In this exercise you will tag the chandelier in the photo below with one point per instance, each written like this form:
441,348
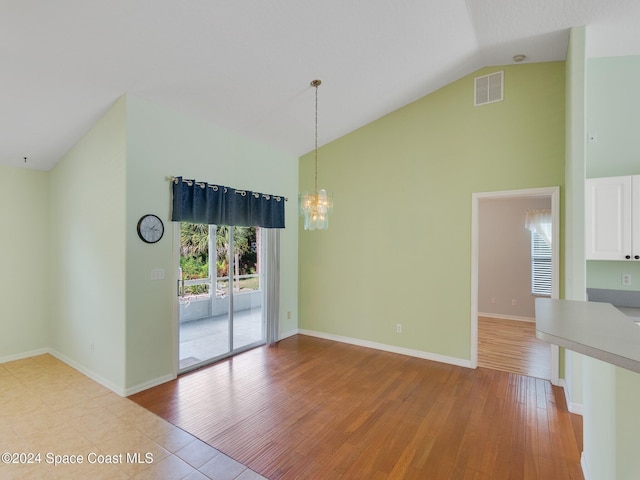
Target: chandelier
317,206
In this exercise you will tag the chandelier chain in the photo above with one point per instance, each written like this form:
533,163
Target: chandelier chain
316,84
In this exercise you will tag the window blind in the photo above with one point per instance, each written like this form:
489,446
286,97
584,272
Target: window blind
540,265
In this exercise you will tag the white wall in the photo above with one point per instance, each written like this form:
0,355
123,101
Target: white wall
574,264
613,106
613,115
611,421
599,426
162,143
86,250
83,286
24,263
504,261
627,424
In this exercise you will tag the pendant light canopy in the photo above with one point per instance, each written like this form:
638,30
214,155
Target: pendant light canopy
317,206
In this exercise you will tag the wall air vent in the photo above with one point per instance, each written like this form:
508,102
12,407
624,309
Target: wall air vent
489,88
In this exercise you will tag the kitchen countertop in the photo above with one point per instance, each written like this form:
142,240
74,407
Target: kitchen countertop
631,312
598,330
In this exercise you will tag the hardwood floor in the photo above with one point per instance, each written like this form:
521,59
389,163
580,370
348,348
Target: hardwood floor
315,409
512,346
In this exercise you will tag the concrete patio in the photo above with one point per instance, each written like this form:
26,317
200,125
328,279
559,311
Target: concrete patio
207,339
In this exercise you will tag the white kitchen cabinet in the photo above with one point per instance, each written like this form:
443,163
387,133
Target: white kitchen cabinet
612,221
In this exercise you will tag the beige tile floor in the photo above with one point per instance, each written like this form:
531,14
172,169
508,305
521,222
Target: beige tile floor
49,413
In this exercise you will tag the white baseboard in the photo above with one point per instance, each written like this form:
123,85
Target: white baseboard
89,373
288,334
389,348
585,467
576,408
151,383
507,317
123,392
23,355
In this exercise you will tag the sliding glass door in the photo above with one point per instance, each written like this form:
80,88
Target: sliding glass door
220,292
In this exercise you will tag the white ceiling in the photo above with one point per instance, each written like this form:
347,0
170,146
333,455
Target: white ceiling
246,65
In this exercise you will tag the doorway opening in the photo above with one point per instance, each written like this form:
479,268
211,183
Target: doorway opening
220,293
515,316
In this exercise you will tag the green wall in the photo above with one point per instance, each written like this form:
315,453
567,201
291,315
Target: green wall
603,274
24,262
398,247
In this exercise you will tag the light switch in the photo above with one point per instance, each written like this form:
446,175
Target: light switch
157,274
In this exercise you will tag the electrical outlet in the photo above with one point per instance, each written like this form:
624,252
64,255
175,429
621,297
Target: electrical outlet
493,300
626,279
289,315
399,328
92,348
514,302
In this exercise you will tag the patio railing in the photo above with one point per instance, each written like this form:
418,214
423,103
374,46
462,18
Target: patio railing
242,283
195,306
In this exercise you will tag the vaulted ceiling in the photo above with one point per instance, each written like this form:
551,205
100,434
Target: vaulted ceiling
246,65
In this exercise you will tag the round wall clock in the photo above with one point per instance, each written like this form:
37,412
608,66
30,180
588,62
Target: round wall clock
150,228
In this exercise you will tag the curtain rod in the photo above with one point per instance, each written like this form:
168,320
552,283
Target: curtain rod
215,188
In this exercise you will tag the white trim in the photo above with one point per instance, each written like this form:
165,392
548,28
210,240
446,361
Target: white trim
585,467
389,348
89,373
554,194
288,334
22,356
576,408
475,256
175,365
123,392
507,317
149,384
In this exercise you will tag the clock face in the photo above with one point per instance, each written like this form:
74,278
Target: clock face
150,228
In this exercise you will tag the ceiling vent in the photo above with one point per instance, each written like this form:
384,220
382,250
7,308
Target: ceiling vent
489,88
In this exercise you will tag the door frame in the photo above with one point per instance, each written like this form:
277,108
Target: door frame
543,192
176,301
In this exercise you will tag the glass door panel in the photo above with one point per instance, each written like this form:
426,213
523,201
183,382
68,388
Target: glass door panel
195,289
220,301
218,338
248,323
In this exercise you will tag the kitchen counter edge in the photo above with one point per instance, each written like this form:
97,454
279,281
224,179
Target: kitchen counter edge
598,330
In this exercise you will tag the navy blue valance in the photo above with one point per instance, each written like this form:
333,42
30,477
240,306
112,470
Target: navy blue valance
201,202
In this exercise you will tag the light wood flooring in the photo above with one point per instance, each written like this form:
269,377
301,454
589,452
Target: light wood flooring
512,346
310,408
